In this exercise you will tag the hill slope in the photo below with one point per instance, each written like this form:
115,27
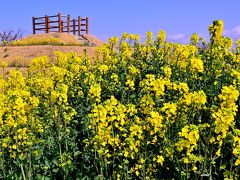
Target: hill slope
22,55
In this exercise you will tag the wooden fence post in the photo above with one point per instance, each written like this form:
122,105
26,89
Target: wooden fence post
33,22
74,26
68,23
79,25
59,23
47,24
86,25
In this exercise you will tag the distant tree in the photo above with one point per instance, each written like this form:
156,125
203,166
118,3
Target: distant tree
10,35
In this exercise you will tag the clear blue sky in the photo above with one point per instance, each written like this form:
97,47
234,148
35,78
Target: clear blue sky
180,18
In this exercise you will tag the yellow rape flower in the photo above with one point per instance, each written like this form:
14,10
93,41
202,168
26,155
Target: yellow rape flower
167,71
216,29
103,69
149,37
194,168
194,38
170,109
113,41
130,84
183,87
196,65
95,92
124,36
161,37
160,160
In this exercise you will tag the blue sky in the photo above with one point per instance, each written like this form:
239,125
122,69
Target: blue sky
179,18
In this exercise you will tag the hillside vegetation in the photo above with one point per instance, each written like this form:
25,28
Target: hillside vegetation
57,39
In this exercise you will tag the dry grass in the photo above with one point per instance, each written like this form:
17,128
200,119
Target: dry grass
93,39
22,55
47,39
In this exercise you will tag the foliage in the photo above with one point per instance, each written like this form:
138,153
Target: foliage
155,110
10,35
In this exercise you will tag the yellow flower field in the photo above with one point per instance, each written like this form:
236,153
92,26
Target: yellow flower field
151,110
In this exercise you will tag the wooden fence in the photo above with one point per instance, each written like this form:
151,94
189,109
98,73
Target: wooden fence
60,23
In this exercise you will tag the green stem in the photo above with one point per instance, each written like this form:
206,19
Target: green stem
23,173
30,166
210,169
187,171
230,173
144,173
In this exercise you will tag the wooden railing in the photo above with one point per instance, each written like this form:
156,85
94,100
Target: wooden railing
60,23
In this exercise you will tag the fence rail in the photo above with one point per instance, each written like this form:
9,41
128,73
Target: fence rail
61,22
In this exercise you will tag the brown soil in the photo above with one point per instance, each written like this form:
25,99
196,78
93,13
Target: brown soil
22,55
22,69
